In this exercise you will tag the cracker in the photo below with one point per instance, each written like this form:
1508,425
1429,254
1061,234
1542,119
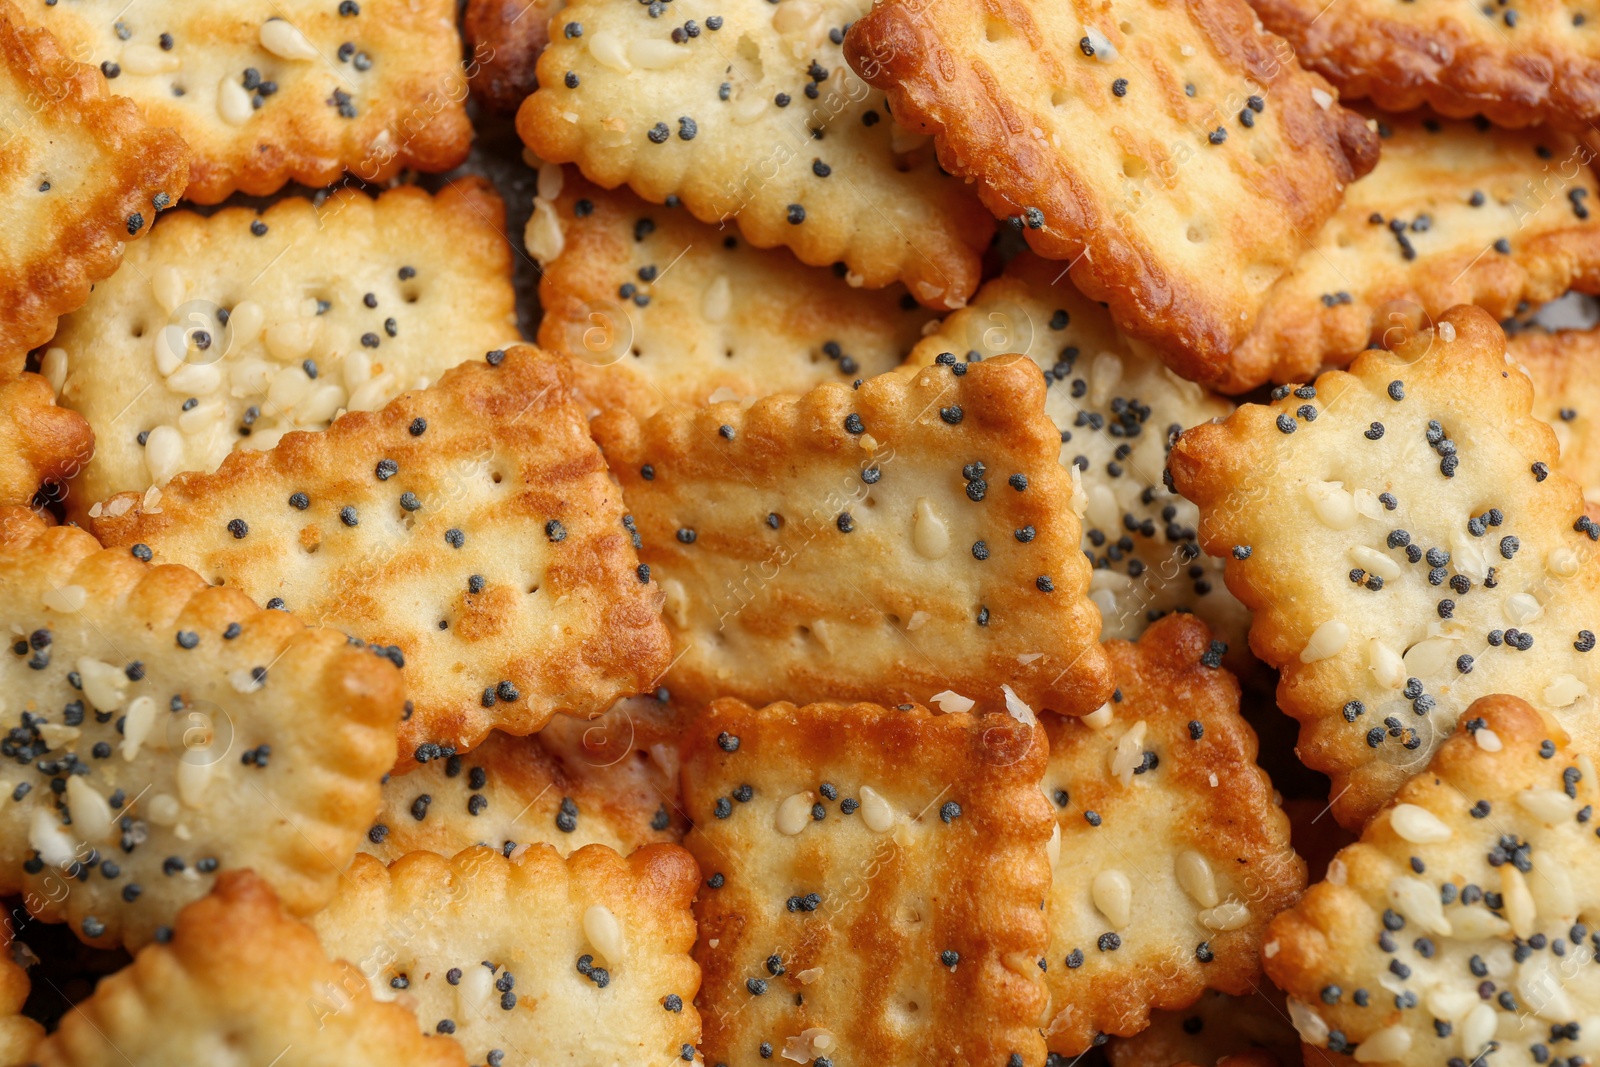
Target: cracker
372,88
891,542
1564,367
1179,220
1456,190
609,780
1173,853
505,38
1532,64
717,317
1218,1030
577,960
373,297
874,884
1381,646
509,590
1462,924
41,445
749,113
184,751
84,176
239,980
19,1035
1118,411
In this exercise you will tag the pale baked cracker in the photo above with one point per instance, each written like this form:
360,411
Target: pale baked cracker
1349,643
846,849
1520,66
83,176
1455,189
827,546
1173,853
506,486
436,268
504,38
1466,914
1118,410
718,318
41,445
494,950
370,87
699,117
260,750
610,780
1178,210
1564,367
240,981
1217,1031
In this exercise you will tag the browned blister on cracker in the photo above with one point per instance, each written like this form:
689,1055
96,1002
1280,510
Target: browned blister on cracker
164,731
240,980
1407,546
271,91
908,540
1462,925
1172,853
873,884
83,176
227,332
1454,213
1534,63
541,959
1119,411
1219,1030
470,529
1173,155
748,113
41,444
1564,367
659,310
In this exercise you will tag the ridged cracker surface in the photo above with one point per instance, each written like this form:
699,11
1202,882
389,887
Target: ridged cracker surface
1564,367
41,444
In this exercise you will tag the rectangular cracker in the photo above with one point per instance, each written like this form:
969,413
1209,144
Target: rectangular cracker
890,542
1126,138
41,445
84,176
547,960
752,115
237,311
469,528
1457,190
370,87
660,310
873,884
1564,367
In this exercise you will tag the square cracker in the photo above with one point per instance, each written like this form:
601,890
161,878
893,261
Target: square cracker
1456,190
1174,153
547,960
195,732
469,528
891,542
372,88
1119,410
874,884
242,980
1173,852
84,176
237,310
752,115
717,317
41,445
1406,545
1564,367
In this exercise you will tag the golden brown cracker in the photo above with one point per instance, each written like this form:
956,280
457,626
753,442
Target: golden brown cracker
1564,367
19,1034
534,957
240,979
228,331
469,528
1406,546
1173,154
41,445
83,176
1463,921
505,38
660,310
897,541
271,91
753,116
1173,853
874,882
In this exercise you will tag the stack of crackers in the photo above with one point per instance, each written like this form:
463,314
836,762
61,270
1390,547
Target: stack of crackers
855,619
